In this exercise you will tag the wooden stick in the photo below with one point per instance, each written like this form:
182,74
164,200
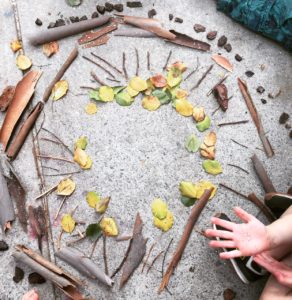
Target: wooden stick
114,80
202,78
220,81
167,60
104,255
232,190
234,141
233,123
238,167
137,62
55,158
59,208
255,116
148,61
46,192
164,256
195,213
63,174
124,66
107,63
147,257
97,79
154,260
100,66
195,70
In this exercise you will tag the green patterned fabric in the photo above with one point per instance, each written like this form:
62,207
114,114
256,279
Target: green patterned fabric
272,18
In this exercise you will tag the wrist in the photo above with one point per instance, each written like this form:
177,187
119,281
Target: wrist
272,241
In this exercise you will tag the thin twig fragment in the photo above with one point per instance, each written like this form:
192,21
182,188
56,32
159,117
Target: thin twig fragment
154,260
124,66
195,70
202,78
234,141
148,61
233,123
96,78
100,66
137,62
167,60
238,167
107,63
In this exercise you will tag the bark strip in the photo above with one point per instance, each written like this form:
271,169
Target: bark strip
134,32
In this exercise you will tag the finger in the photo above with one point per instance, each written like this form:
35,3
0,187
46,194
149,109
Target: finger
242,214
222,244
230,254
219,233
226,224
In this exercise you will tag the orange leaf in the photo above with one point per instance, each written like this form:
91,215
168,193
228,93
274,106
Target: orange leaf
223,62
50,48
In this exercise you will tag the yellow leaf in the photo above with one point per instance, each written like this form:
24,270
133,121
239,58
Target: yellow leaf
60,89
80,157
88,164
15,45
183,107
180,93
138,84
68,223
173,77
102,205
131,91
204,185
66,187
151,103
106,93
23,62
188,189
109,227
92,199
210,139
81,143
91,108
199,113
159,208
178,65
166,223
50,48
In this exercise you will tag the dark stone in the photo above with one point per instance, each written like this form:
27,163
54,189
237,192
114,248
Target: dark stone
83,18
287,126
52,25
228,47
249,73
238,57
74,19
222,41
212,35
178,20
283,118
199,28
36,278
100,9
264,101
3,246
260,89
119,7
228,294
38,22
134,4
109,7
170,16
18,275
192,269
152,13
94,15
60,22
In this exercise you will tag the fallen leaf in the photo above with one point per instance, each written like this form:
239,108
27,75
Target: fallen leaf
186,201
180,93
204,125
188,189
131,91
174,77
93,231
15,45
109,227
68,223
118,89
151,103
208,146
23,62
124,99
6,97
50,48
80,157
223,62
92,199
163,95
138,84
66,187
199,114
184,107
178,65
193,143
158,81
81,143
166,223
210,139
159,208
102,205
73,2
60,90
94,94
212,167
106,94
88,164
203,185
91,108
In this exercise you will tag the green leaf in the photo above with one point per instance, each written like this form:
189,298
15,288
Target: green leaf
94,94
204,125
163,96
193,143
159,208
188,189
73,2
174,77
81,143
92,199
93,231
124,99
212,167
186,201
118,89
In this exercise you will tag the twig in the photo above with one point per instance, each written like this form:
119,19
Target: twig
124,66
105,256
148,61
50,140
260,149
100,66
75,241
213,113
137,62
114,80
96,78
63,174
232,190
41,126
233,123
93,247
154,260
234,141
164,256
46,192
202,233
221,81
167,60
55,158
59,208
87,87
202,78
50,168
147,257
195,70
106,62
59,239
238,167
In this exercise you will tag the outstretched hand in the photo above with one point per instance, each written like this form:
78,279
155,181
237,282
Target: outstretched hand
31,295
247,239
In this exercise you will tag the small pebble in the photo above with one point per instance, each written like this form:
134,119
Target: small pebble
119,7
74,19
238,57
36,278
94,15
260,89
3,246
212,35
192,269
199,28
228,47
170,16
38,22
283,118
109,7
134,4
287,126
18,275
83,18
222,41
60,22
152,13
178,20
52,25
264,101
249,73
100,9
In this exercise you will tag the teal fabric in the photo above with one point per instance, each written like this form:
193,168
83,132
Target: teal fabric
272,18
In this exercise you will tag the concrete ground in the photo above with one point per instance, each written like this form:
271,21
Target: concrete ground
139,155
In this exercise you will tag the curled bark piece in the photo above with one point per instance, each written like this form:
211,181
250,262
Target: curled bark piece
195,213
98,42
58,33
187,41
64,281
152,25
222,62
83,264
6,97
134,32
37,223
221,94
137,250
255,117
23,92
262,175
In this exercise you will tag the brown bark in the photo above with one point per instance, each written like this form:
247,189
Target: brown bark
134,32
6,97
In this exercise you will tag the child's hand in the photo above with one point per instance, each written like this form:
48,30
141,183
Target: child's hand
31,295
249,238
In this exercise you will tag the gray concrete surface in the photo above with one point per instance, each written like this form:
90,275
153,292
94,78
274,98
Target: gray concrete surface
139,155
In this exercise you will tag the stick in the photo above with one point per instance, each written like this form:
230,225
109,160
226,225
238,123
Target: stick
106,62
154,260
104,255
238,167
55,158
46,192
147,257
164,256
213,113
255,116
114,80
87,88
137,62
202,78
262,175
148,61
167,60
220,81
195,213
100,66
63,174
195,70
233,123
234,141
97,79
75,241
234,191
59,208
124,66
50,168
